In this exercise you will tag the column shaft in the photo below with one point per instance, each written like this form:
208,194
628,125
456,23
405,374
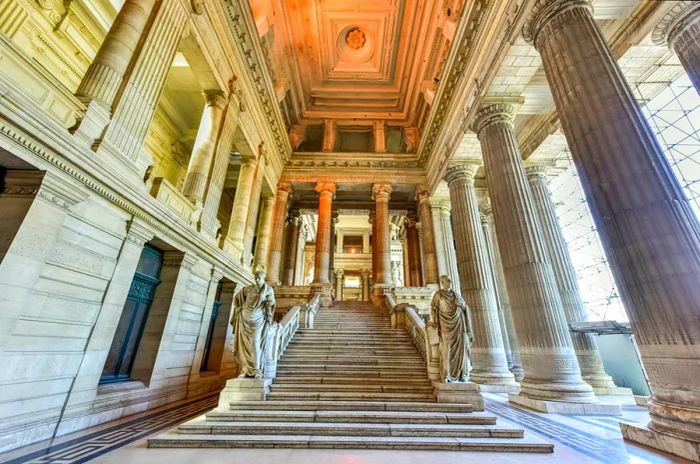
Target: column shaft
551,369
516,365
323,234
373,223
253,208
445,243
585,345
292,241
648,230
365,285
339,275
204,147
430,269
488,355
279,215
413,243
262,245
679,29
382,242
239,211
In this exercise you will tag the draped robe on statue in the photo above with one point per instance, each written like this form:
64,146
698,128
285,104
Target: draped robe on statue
451,318
254,308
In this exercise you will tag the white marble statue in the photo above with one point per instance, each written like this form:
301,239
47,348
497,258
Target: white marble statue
254,307
449,314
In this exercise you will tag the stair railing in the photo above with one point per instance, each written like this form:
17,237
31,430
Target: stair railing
280,334
424,338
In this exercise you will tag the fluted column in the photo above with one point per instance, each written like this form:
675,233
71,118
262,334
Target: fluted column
506,317
339,277
413,244
679,29
444,242
551,369
585,344
262,244
373,224
239,211
382,240
138,96
253,208
649,232
292,245
323,234
430,269
365,284
490,366
279,216
104,77
204,147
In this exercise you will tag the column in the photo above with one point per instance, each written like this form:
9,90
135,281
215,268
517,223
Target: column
679,29
649,232
444,242
382,241
551,369
585,345
292,247
279,215
379,132
406,265
488,357
262,245
209,222
413,244
239,211
203,150
339,278
430,270
506,317
322,261
334,221
104,77
328,135
373,223
365,284
299,260
339,241
137,103
365,243
253,208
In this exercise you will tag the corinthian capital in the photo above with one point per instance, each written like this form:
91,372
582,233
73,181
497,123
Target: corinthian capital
498,113
544,11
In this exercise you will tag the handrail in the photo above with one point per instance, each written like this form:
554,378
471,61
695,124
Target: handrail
424,337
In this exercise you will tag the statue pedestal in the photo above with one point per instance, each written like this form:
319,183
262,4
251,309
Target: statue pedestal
324,290
243,389
459,392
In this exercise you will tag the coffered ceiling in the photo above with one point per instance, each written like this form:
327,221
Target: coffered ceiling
356,62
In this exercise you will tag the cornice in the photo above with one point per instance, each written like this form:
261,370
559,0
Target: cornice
247,44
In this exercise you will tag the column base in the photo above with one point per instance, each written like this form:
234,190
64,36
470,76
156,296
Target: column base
561,407
91,128
641,400
500,387
458,392
670,444
243,389
614,391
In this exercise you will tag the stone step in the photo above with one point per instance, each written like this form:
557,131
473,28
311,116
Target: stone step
366,361
359,375
287,366
348,396
353,429
349,442
360,406
383,417
341,379
326,387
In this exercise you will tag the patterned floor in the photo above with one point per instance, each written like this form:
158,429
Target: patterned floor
595,439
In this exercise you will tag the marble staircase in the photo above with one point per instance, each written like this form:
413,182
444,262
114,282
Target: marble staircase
351,382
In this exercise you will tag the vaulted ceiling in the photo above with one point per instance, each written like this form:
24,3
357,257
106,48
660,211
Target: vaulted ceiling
356,62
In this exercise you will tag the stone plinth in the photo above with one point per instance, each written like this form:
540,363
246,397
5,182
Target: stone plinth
459,392
243,389
661,441
561,407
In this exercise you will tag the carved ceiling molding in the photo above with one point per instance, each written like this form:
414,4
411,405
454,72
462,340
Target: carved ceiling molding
247,43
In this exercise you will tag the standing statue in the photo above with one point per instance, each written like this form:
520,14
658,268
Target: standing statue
254,307
449,314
